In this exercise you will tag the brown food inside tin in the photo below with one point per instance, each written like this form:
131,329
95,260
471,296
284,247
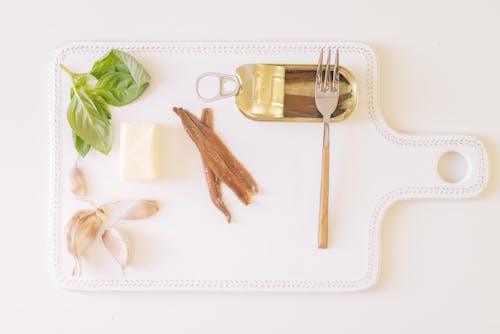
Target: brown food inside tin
213,182
299,95
218,158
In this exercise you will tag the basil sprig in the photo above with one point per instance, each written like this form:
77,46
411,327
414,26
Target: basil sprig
121,79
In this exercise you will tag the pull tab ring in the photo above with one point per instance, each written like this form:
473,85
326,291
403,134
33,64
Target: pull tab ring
223,80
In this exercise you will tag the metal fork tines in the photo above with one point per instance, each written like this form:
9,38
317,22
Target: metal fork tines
326,96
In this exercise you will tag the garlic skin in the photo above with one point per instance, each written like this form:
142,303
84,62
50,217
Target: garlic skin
141,209
117,247
81,231
77,181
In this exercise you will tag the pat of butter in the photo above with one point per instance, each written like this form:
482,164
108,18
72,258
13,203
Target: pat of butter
138,151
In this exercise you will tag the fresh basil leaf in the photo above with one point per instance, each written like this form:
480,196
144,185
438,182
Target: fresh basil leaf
117,88
135,68
89,120
81,146
100,104
109,63
121,62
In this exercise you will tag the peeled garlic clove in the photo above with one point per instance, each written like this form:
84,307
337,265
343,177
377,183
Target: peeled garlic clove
141,209
116,245
77,181
81,232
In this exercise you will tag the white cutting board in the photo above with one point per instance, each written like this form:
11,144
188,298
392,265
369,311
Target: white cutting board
271,245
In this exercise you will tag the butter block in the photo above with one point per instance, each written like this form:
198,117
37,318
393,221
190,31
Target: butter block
139,151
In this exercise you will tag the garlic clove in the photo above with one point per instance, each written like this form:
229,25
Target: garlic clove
77,181
141,209
116,245
81,232
71,228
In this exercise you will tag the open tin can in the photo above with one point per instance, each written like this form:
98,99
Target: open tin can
269,92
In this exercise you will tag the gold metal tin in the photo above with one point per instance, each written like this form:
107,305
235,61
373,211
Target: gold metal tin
270,92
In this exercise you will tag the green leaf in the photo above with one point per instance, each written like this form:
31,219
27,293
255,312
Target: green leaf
141,77
81,145
89,120
121,78
109,63
119,61
100,104
118,88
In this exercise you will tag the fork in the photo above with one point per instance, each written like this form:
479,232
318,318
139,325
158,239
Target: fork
326,97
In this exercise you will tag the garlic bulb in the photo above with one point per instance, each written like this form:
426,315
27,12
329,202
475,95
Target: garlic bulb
141,209
116,245
81,232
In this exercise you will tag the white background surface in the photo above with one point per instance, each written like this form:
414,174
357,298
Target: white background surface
439,65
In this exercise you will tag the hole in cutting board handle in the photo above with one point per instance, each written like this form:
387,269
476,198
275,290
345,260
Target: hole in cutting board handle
453,167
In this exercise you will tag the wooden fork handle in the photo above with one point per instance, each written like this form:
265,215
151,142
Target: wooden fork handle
323,201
